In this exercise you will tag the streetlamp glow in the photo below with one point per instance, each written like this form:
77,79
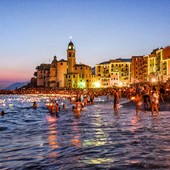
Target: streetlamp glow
153,80
81,84
97,84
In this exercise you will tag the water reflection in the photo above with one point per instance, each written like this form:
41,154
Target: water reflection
52,136
92,139
76,138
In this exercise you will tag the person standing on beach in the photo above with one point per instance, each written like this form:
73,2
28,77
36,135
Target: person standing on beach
116,101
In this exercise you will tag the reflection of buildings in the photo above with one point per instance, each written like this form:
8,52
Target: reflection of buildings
76,139
118,72
52,137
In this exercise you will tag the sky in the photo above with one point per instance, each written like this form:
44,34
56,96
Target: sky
33,31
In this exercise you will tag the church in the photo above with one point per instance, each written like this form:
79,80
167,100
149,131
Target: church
65,73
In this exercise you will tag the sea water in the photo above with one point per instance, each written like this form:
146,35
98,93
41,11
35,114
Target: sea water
96,139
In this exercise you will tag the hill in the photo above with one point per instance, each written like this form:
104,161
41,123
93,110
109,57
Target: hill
15,85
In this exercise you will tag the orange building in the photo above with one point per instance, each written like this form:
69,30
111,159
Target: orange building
165,66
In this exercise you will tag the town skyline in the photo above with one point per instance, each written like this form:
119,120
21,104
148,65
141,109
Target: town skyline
35,31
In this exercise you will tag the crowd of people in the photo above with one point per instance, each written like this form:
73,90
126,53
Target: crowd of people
146,96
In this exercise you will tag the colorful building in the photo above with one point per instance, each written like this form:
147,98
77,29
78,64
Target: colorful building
114,73
78,75
165,64
153,68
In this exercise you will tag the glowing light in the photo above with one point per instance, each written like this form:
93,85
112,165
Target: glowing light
97,84
133,98
10,105
120,83
81,84
153,80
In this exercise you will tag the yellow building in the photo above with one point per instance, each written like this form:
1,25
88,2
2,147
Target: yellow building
145,68
151,68
155,60
78,75
57,71
103,74
154,67
114,73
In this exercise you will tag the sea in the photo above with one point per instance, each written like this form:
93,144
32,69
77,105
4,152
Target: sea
97,138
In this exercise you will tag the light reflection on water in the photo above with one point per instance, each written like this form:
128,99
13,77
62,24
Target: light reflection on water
31,139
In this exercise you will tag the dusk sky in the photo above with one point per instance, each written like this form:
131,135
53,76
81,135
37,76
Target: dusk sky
33,31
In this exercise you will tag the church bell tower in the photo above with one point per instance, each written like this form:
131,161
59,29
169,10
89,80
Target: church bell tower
71,57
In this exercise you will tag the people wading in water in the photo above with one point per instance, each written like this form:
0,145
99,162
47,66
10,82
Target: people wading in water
139,103
116,101
154,101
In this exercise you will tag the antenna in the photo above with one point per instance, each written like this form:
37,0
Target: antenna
70,38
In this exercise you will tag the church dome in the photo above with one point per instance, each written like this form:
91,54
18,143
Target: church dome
71,46
54,60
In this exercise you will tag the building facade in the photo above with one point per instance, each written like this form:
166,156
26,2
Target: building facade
42,73
152,68
78,75
114,73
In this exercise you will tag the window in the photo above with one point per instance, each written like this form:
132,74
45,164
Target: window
61,63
